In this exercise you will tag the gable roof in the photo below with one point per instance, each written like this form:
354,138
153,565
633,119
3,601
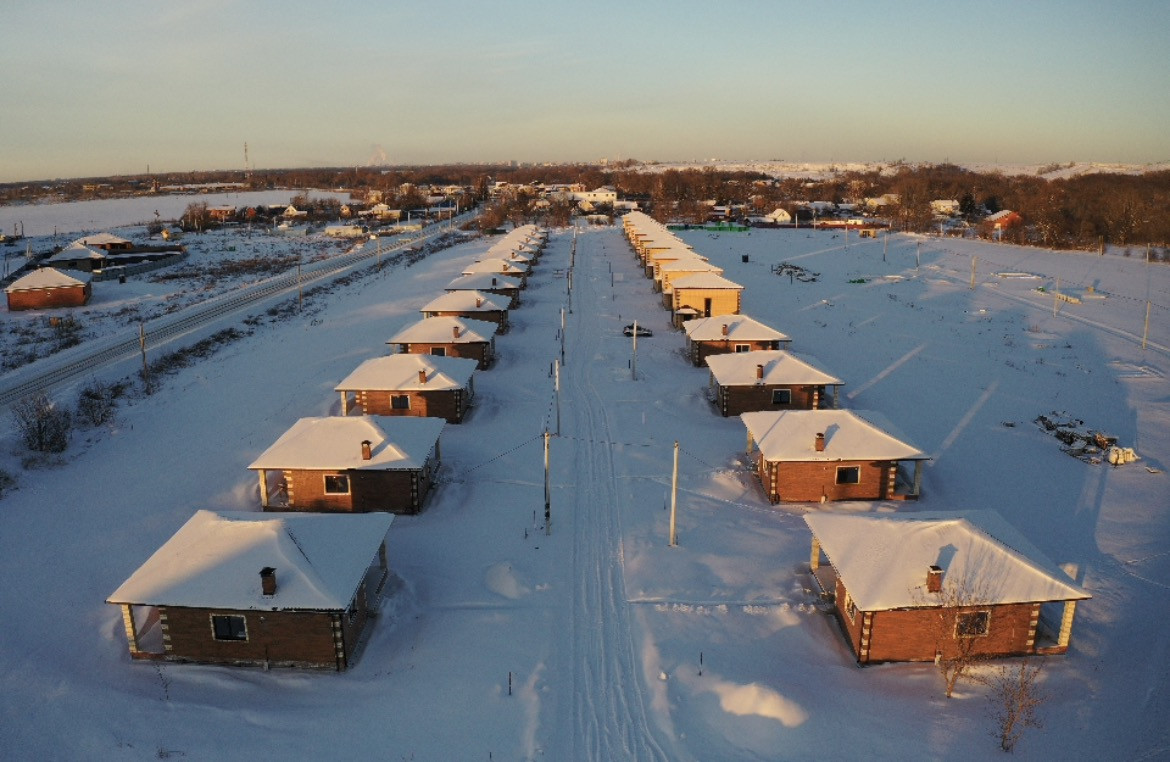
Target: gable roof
214,561
397,443
494,265
482,282
76,251
105,239
739,328
400,372
441,330
707,281
780,367
882,559
48,277
790,435
464,301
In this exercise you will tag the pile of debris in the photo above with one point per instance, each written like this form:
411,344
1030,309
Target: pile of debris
1082,443
795,273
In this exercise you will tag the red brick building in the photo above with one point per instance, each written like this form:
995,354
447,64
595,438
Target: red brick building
913,587
742,382
351,465
729,333
251,589
470,305
449,337
413,384
49,288
499,285
828,455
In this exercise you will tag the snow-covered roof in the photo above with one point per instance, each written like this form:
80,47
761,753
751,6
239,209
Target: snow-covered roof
214,561
335,443
502,266
999,215
76,251
443,329
482,281
689,264
882,559
706,280
739,328
48,277
400,372
780,367
790,435
102,239
464,301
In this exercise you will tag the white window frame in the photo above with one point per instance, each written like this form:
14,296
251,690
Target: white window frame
850,608
743,348
399,396
986,627
848,468
783,392
325,484
215,636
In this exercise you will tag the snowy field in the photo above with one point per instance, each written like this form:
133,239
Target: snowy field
616,645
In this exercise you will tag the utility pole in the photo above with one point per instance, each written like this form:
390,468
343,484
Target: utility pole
547,494
634,363
974,264
142,348
300,288
674,499
885,244
562,335
1146,330
557,386
1056,297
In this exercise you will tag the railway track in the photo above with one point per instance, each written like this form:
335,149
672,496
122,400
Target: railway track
60,369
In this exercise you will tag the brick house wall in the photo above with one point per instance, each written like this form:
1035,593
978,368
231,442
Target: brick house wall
733,400
49,298
497,317
480,351
283,638
699,351
449,404
801,482
724,301
393,491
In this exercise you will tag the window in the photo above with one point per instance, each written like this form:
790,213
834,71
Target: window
743,347
226,627
336,484
400,402
439,351
972,625
849,474
850,608
781,396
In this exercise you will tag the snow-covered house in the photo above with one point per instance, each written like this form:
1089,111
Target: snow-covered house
500,285
352,465
47,288
470,305
449,337
729,333
420,385
78,256
743,382
498,266
704,295
666,272
994,225
919,586
105,242
828,455
252,589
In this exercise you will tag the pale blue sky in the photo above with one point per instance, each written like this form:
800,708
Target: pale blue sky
114,86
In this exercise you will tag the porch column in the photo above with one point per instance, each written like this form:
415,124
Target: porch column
917,477
1066,623
131,627
750,443
344,403
263,487
835,389
382,556
814,559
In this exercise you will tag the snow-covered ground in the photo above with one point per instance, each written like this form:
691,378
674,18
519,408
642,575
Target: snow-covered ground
822,170
616,645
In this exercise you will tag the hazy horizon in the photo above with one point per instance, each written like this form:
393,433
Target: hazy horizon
125,86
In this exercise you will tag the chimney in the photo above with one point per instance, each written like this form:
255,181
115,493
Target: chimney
455,331
934,578
726,329
479,301
268,581
366,449
820,443
422,376
759,371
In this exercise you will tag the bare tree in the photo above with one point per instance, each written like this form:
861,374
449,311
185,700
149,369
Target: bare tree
43,426
1016,699
961,619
